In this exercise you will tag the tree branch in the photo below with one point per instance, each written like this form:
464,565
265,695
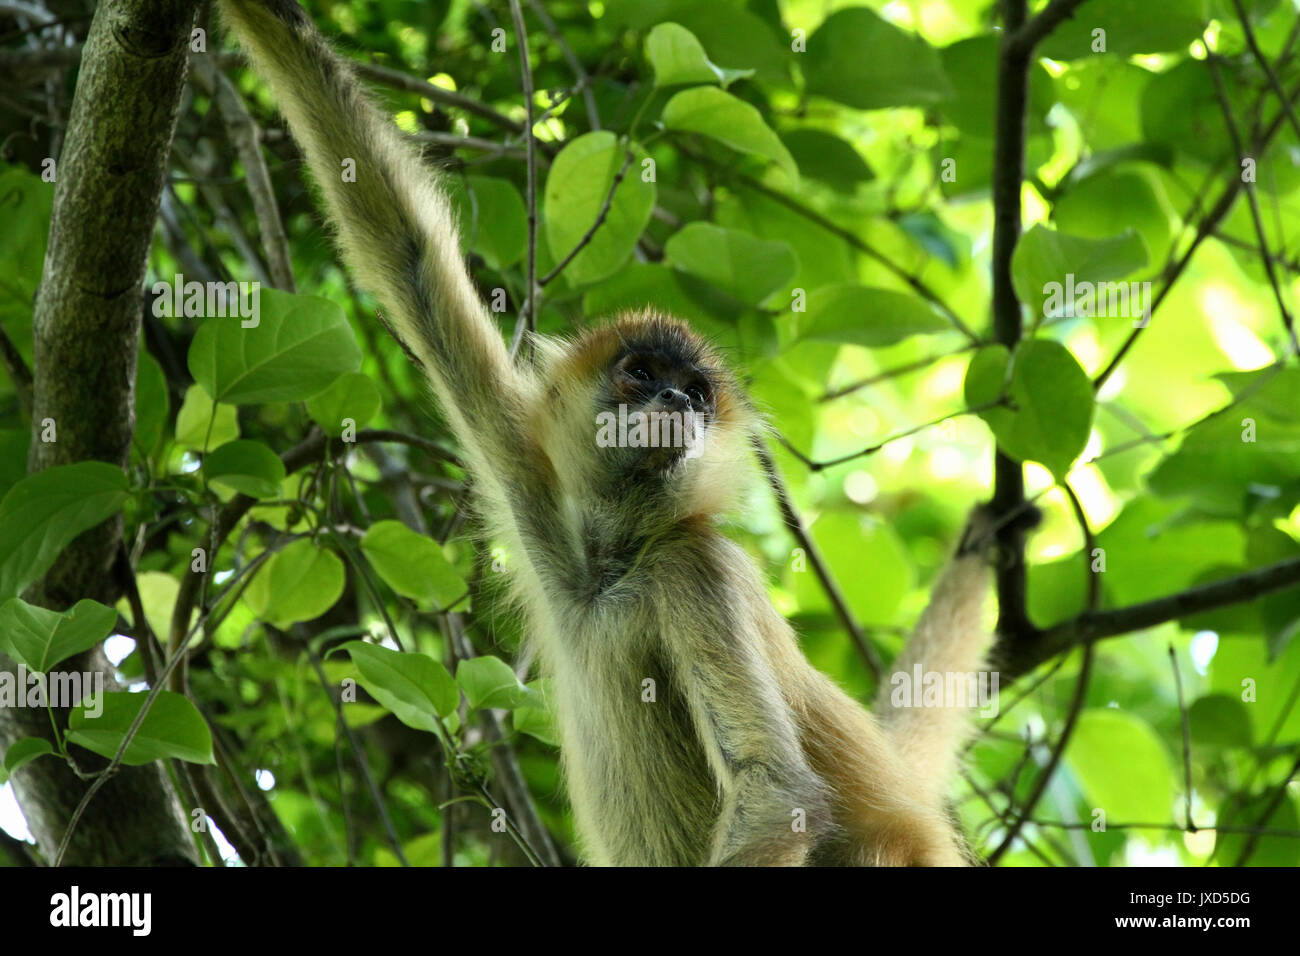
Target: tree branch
86,329
1030,34
1008,166
245,135
1092,625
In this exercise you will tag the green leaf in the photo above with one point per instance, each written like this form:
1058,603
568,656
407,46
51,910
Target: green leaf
1109,202
300,583
1269,391
489,682
534,717
1223,458
415,687
672,291
25,203
1052,401
23,752
248,467
1150,554
733,35
299,346
352,396
41,514
849,540
855,314
824,156
192,421
743,266
863,61
158,593
424,850
710,112
971,67
1131,26
150,403
42,639
1105,739
412,565
14,443
1272,850
678,57
173,727
494,220
576,188
1048,266
1219,720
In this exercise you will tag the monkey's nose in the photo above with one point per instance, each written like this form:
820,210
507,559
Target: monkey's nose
674,400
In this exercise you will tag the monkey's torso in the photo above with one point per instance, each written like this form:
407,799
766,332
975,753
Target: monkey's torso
645,788
642,788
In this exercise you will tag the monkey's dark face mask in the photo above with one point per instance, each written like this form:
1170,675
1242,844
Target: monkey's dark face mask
654,411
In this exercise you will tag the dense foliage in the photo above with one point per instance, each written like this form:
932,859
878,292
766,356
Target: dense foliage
810,184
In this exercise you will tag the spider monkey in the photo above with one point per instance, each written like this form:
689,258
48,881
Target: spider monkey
747,755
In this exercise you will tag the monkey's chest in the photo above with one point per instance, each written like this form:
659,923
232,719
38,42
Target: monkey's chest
638,779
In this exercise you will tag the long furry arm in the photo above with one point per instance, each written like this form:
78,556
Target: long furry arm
749,732
398,237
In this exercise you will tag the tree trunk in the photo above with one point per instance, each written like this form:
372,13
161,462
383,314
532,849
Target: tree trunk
86,332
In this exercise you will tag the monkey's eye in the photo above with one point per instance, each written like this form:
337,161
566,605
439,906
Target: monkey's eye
696,395
639,373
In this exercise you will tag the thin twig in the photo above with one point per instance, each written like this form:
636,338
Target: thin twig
1252,201
245,135
600,219
526,79
1279,794
1172,827
795,525
1264,65
19,373
1207,227
851,238
896,371
1187,740
571,58
359,757
1036,30
873,449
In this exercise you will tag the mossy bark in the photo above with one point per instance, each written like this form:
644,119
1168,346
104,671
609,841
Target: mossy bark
86,330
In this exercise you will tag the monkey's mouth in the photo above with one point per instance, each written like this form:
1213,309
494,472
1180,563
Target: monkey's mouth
654,439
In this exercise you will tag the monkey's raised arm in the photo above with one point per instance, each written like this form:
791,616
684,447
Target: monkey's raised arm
395,225
398,237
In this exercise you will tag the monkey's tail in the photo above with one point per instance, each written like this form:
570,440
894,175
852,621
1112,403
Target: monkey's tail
949,646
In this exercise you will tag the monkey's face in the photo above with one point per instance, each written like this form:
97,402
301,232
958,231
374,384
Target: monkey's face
644,405
660,403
